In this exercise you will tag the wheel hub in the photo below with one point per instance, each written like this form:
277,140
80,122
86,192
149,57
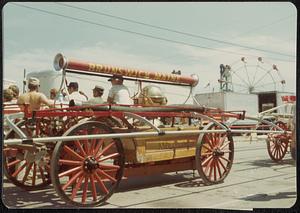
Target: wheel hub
278,140
218,152
90,164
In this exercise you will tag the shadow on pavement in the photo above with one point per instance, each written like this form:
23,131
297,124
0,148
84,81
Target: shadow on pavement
134,183
269,163
266,197
14,197
191,183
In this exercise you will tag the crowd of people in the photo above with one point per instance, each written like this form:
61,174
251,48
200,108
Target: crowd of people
118,94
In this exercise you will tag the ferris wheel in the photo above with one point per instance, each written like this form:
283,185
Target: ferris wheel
245,76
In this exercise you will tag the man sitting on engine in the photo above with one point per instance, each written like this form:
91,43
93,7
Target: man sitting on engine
118,93
97,93
33,97
75,97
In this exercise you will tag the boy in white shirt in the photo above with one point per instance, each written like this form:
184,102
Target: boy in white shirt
118,93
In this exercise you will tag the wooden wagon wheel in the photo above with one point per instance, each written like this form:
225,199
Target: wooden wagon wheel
71,121
24,165
214,155
277,144
86,172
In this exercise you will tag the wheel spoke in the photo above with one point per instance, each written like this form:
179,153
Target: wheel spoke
101,184
42,174
211,169
216,139
13,163
272,145
34,174
215,170
104,150
106,175
104,166
86,146
28,168
281,150
206,153
72,180
98,146
218,167
85,141
85,186
206,160
208,148
94,193
70,162
276,154
224,145
208,165
77,187
92,148
114,155
77,143
209,140
226,151
70,171
221,163
69,151
228,161
19,170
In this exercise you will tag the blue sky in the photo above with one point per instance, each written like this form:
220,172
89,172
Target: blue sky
32,38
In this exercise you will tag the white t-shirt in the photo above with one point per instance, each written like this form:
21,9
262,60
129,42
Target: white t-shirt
77,97
120,94
94,101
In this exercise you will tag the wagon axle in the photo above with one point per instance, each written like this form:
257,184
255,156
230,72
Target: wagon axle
90,164
218,152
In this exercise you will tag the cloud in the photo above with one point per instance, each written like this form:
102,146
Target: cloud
205,63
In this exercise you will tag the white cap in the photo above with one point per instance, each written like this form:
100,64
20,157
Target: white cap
34,81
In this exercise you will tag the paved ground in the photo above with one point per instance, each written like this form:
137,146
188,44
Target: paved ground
254,182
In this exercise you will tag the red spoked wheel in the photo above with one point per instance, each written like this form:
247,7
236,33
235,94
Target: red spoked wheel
26,166
277,144
86,172
214,155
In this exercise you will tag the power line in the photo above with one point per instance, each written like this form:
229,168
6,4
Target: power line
266,25
133,32
172,30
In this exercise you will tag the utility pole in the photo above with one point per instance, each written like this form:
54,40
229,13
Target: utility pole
24,80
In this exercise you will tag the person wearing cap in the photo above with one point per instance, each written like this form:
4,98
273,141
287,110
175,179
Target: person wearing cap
33,97
118,93
53,93
16,92
97,93
8,105
75,97
8,95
